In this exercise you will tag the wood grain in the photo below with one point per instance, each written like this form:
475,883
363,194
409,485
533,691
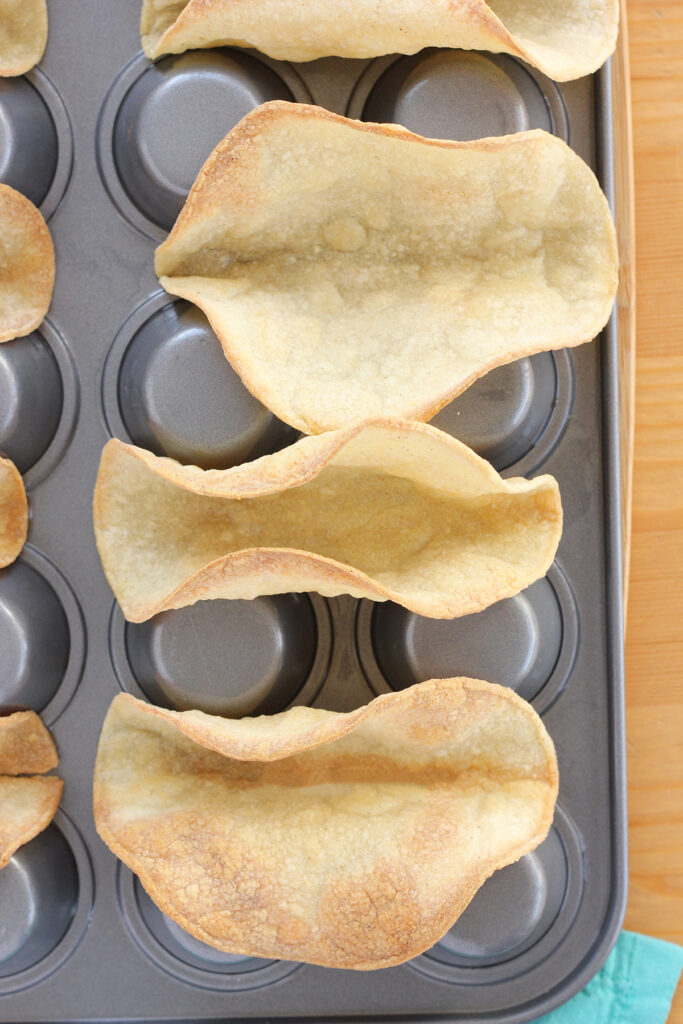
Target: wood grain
654,645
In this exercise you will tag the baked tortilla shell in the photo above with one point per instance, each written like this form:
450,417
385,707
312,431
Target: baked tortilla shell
386,510
26,747
13,512
347,840
354,270
23,35
27,265
563,39
27,806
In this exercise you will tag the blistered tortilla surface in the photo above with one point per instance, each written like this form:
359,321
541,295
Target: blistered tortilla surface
27,802
13,512
23,35
384,510
355,270
27,806
348,840
26,746
563,38
27,265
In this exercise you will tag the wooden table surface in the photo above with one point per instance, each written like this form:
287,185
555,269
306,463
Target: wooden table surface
654,643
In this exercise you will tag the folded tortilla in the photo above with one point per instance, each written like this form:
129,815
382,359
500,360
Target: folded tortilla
354,270
27,806
346,840
384,510
27,802
13,512
564,38
27,265
25,745
23,35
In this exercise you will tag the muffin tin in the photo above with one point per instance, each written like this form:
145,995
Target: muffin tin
108,144
168,387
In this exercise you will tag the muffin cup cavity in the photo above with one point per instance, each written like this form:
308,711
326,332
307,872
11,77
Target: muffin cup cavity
230,658
160,121
36,145
459,94
41,636
527,642
168,387
38,898
515,415
46,894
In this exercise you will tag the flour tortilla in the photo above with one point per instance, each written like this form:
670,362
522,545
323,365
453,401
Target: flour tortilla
347,840
386,510
563,38
355,270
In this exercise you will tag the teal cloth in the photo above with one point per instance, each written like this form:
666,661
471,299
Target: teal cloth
635,986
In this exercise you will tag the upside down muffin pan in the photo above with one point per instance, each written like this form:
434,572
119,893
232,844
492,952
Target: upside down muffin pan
107,145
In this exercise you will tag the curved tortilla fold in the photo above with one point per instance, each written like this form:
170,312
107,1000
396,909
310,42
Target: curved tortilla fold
27,802
383,510
23,35
27,806
355,270
25,745
346,840
564,38
13,512
27,265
